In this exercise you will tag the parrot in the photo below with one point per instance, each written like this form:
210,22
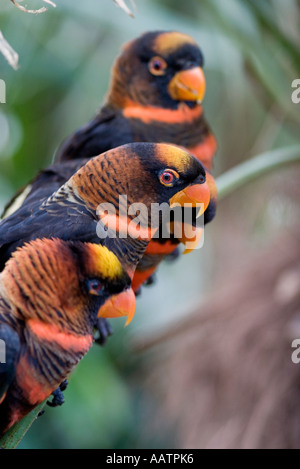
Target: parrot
155,175
51,292
155,95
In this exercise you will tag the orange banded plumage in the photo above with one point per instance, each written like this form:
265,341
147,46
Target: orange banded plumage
47,317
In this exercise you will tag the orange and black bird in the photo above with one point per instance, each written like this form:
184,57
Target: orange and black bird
50,295
155,95
141,173
157,87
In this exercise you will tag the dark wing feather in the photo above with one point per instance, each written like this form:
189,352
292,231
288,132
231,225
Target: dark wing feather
31,220
67,223
42,186
109,129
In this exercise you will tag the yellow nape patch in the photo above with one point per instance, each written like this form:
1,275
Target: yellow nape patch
167,43
103,262
173,156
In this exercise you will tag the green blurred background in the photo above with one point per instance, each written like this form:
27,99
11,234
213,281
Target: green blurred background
252,55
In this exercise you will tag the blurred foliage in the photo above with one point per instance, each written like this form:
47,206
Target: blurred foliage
252,56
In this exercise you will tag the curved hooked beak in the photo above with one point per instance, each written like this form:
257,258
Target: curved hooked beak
188,85
194,196
123,304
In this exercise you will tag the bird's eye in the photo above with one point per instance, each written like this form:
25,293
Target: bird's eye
202,179
95,287
168,177
157,66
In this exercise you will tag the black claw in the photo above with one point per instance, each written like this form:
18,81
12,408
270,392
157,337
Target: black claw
138,292
151,280
58,399
64,385
41,413
105,330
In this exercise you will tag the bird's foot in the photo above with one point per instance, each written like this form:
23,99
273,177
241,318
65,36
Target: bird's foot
58,397
104,330
63,386
150,281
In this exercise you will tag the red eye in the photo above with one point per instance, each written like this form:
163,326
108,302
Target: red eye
157,66
95,287
168,177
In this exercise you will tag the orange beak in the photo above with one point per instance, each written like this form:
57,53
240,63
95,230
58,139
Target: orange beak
188,85
193,196
123,304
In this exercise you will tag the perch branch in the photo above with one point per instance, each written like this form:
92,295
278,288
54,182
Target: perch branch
15,434
256,167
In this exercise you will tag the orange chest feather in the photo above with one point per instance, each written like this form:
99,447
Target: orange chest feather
155,247
149,114
35,387
205,151
66,340
141,277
